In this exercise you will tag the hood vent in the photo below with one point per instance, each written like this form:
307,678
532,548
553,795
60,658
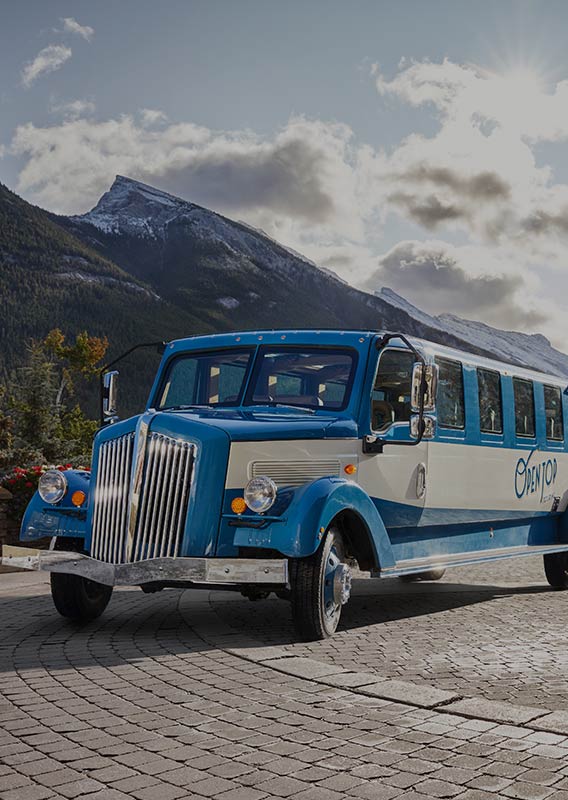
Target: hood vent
295,473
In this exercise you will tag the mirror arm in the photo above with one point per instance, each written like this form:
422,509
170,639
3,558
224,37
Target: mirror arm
160,346
374,444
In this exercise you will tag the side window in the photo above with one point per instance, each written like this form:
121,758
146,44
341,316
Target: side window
553,411
390,401
524,407
490,403
450,399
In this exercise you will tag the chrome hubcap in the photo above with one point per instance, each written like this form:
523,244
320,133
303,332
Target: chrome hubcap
341,584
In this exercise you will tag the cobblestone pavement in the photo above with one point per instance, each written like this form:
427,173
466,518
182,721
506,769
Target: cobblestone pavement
139,705
495,630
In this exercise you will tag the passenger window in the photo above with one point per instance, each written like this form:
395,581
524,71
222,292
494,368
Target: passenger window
553,411
524,407
450,399
490,403
390,401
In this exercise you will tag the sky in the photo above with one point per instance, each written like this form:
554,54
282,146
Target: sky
417,145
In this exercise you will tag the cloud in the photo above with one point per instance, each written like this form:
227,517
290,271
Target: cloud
515,99
70,25
304,174
478,174
47,60
72,109
474,178
151,116
437,278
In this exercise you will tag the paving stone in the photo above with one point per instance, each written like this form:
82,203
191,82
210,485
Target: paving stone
527,791
555,722
303,667
494,711
416,694
434,788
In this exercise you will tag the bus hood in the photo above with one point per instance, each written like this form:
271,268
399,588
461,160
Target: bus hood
266,424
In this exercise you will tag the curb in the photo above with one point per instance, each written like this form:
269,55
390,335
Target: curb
203,619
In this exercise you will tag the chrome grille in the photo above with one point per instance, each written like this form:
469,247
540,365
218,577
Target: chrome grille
111,499
295,473
157,520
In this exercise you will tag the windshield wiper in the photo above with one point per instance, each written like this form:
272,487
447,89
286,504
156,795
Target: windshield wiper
184,407
307,409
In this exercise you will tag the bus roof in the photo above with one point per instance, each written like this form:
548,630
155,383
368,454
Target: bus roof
358,338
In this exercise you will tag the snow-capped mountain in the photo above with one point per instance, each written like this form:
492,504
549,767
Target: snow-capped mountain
230,275
531,350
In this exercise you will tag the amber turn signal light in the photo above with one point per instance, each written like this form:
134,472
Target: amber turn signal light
238,505
350,469
78,498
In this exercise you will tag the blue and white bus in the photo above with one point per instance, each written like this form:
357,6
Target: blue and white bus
275,461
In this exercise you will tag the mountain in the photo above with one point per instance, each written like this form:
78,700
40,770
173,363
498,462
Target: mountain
530,350
49,278
229,274
144,265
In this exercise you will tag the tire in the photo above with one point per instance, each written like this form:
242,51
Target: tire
320,586
429,575
556,570
77,598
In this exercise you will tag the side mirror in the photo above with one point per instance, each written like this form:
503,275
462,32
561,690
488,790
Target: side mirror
429,426
110,393
431,380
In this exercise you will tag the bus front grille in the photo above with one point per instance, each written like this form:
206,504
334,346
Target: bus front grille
124,530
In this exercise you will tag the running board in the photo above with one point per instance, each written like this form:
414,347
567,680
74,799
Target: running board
414,565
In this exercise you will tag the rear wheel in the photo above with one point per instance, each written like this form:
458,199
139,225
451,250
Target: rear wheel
429,575
77,598
320,586
556,570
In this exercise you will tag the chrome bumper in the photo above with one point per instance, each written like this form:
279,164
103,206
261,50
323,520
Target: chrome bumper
217,571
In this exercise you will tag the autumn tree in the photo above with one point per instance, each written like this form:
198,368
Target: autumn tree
37,409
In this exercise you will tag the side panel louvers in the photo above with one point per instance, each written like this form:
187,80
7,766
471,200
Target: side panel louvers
294,473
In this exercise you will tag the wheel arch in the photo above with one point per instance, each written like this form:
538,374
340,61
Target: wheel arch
351,507
358,539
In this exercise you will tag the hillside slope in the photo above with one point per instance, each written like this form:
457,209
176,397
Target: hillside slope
49,278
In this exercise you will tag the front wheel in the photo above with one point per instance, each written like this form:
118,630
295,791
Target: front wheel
78,598
556,570
320,586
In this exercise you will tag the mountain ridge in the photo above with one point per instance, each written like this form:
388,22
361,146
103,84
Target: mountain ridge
143,264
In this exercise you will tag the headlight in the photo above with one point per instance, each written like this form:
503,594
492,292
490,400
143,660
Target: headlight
260,494
52,486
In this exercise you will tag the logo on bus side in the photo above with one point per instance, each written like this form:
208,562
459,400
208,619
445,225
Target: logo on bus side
535,478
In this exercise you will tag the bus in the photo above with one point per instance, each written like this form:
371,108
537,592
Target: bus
277,461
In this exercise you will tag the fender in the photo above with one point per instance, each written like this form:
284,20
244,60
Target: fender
312,508
62,519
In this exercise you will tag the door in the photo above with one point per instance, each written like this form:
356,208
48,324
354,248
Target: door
396,478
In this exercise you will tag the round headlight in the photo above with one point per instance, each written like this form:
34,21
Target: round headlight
52,486
260,494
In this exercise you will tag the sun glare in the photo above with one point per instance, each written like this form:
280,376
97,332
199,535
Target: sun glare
522,80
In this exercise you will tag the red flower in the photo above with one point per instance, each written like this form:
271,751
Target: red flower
29,484
12,481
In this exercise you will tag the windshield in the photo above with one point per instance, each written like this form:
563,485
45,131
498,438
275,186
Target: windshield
213,378
317,378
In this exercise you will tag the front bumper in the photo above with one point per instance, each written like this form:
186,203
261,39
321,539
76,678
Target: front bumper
214,571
